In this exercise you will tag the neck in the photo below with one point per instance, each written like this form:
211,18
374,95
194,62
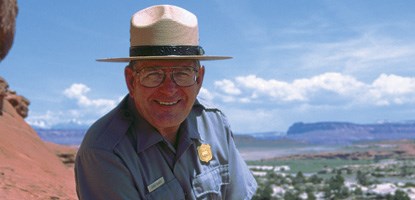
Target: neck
170,134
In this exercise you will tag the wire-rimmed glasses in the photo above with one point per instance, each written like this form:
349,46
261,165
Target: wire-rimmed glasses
183,76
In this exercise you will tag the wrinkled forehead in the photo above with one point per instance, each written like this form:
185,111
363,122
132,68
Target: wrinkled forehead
139,64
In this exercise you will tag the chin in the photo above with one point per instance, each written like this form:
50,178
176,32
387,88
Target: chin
168,122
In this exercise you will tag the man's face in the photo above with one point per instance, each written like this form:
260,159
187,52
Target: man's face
167,105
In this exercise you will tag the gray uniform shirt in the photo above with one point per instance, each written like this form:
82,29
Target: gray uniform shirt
123,157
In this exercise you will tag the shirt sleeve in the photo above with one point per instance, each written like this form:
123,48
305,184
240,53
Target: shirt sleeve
242,182
101,174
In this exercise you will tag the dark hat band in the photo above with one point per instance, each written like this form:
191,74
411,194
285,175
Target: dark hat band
166,50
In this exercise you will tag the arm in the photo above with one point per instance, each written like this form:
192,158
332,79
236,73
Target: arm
242,183
102,175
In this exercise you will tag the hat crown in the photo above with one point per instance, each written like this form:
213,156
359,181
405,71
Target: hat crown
164,25
164,32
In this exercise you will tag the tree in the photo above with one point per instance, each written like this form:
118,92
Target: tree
406,170
399,195
336,182
358,191
336,188
290,195
363,178
315,179
299,178
311,196
264,192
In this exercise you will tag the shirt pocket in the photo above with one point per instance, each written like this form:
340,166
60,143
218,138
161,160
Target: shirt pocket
210,184
169,190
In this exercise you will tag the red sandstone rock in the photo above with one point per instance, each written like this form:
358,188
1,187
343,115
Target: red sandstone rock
8,13
29,169
3,89
20,103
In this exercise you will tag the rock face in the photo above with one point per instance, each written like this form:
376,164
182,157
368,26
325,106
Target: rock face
341,133
20,103
8,13
3,89
29,168
345,127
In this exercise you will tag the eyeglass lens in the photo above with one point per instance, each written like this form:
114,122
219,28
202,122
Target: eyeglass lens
154,76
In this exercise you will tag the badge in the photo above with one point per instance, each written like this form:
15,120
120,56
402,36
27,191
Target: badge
159,182
205,153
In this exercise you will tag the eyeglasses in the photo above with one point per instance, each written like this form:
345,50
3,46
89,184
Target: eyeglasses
153,76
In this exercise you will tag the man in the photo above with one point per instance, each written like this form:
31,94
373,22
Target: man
161,142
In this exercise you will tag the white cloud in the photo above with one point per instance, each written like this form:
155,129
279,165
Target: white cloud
227,86
327,88
392,89
273,88
204,93
87,111
334,82
44,120
53,118
394,85
78,91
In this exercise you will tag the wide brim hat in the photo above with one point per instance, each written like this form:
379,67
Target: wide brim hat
164,32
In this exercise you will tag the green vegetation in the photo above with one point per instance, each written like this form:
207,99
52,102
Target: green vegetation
311,165
399,195
334,179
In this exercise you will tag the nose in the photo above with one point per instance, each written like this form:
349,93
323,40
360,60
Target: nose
168,86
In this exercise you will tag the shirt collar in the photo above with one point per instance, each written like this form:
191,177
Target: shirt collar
146,134
189,126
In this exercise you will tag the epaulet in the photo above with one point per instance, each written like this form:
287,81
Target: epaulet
206,104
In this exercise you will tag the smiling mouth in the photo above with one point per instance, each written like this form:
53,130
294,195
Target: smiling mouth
171,103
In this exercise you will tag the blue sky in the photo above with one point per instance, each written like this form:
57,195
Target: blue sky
293,60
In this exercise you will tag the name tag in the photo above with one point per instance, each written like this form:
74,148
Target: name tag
156,184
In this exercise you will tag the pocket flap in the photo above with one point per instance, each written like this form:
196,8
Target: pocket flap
211,181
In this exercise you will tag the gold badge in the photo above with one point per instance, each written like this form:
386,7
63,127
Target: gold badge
205,153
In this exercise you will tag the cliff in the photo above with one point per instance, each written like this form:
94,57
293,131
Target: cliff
19,103
351,128
29,169
346,133
8,13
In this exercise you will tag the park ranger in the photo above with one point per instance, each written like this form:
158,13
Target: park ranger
161,141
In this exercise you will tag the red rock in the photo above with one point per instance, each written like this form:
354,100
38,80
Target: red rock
8,13
29,169
20,103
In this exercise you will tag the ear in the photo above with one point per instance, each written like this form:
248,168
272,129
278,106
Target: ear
129,79
201,75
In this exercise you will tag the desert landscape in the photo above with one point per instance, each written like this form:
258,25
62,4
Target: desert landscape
367,170
31,168
320,160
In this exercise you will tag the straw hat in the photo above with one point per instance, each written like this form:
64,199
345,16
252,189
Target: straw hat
164,32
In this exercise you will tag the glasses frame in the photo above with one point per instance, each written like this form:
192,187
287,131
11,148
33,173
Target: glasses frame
195,69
